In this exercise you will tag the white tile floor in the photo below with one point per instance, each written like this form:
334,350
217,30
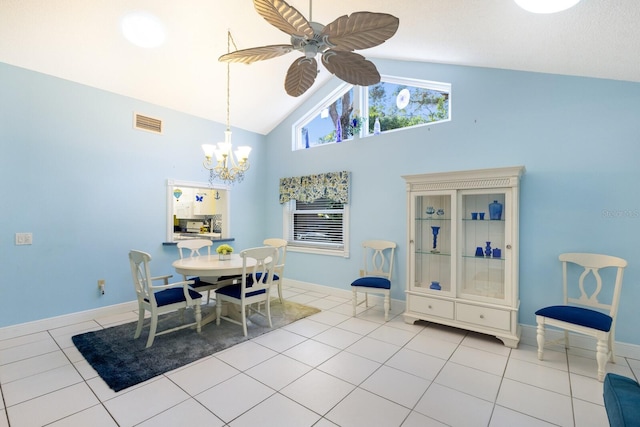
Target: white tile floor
326,370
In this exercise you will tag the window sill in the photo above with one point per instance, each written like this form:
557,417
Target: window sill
318,251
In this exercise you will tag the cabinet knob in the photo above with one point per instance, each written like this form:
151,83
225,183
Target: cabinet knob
508,246
430,307
482,316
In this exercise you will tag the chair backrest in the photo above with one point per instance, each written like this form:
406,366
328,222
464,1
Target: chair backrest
378,258
259,275
281,245
589,292
194,245
141,274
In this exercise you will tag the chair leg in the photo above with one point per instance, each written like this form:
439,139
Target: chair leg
140,321
218,311
387,304
354,301
540,339
198,314
611,350
268,303
152,330
243,313
566,340
280,291
601,357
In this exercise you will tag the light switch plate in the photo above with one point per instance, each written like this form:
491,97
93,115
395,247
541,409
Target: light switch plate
24,239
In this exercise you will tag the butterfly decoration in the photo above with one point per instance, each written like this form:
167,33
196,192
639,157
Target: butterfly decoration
199,198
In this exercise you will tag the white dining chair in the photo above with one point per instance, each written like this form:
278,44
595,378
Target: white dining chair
588,307
254,287
375,275
160,299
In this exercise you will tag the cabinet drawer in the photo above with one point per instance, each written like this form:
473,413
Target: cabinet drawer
484,316
431,306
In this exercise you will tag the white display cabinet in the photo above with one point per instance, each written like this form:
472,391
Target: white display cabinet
462,253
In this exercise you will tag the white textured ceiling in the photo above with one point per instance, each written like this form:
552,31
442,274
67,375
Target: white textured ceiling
80,40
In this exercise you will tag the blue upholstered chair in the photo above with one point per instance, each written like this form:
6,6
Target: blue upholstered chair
254,287
375,276
621,401
582,312
160,299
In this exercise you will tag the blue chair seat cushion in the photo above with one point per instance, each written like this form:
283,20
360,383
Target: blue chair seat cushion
172,296
372,282
578,316
621,400
259,277
234,291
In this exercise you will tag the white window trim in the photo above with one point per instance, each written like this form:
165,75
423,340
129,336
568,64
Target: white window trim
286,227
426,84
361,103
296,129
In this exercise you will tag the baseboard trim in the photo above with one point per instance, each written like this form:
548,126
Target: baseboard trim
36,326
528,331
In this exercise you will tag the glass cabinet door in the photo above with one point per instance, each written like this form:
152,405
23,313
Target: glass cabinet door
433,235
484,246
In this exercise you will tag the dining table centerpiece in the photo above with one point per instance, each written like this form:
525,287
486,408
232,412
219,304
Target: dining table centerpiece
224,252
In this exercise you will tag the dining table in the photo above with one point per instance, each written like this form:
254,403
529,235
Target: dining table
211,267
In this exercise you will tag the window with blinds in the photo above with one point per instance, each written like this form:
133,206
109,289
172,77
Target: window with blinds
320,224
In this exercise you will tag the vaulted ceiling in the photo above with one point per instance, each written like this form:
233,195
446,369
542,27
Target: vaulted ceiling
80,40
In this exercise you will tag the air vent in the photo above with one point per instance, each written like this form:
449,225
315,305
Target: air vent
147,123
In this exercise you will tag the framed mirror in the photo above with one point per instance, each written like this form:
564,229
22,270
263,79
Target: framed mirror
197,210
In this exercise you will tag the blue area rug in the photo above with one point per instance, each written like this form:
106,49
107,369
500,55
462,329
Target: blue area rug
122,361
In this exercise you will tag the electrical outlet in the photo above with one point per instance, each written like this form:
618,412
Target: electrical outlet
24,239
101,283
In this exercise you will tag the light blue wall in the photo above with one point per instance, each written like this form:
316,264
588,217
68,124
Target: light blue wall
89,187
579,139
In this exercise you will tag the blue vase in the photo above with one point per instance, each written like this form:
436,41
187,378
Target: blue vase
435,231
495,210
487,249
435,285
479,251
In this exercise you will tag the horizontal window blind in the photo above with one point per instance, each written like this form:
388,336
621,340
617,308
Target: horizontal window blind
318,224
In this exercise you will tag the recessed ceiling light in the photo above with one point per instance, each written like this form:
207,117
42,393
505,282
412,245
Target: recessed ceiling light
546,6
143,29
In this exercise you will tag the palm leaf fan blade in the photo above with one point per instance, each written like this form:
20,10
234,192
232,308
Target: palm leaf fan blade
284,17
248,56
360,30
351,67
300,76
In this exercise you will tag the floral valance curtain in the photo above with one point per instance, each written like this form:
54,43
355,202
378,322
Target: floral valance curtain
332,185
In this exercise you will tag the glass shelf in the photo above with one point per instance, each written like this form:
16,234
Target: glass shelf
428,252
483,257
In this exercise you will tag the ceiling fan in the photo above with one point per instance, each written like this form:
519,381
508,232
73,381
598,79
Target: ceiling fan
335,42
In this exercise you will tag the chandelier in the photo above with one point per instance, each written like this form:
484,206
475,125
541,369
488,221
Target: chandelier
225,167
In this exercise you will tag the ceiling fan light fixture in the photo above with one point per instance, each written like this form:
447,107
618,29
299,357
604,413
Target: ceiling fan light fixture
546,6
143,29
